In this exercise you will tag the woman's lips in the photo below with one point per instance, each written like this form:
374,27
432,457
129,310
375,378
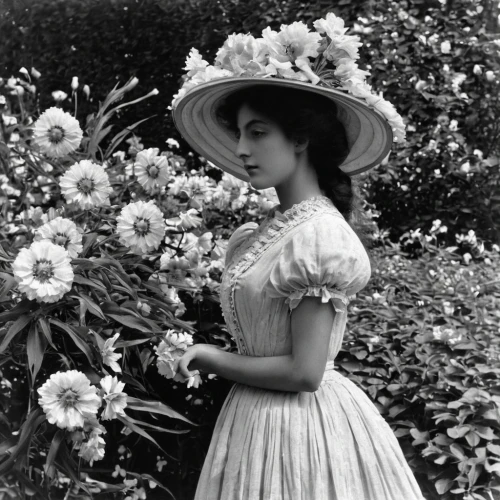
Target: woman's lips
250,167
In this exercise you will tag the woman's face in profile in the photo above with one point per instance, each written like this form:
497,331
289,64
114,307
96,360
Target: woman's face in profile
263,144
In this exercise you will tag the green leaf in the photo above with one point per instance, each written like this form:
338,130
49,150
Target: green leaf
9,282
92,306
6,445
35,419
21,309
80,343
121,135
132,322
155,407
156,428
44,325
443,485
138,430
51,456
150,478
17,327
85,281
35,347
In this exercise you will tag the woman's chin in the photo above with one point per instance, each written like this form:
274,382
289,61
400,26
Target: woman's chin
259,184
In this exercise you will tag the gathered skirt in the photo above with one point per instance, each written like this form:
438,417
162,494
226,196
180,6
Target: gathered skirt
331,444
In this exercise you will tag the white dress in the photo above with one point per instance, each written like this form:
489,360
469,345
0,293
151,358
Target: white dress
331,444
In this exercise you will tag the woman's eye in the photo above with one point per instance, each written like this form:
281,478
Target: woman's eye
257,133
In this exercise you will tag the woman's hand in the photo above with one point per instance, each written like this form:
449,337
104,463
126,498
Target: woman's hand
193,360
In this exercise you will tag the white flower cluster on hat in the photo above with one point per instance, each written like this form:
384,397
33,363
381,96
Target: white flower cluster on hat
324,57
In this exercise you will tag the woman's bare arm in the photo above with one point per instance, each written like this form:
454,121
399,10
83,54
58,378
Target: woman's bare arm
302,370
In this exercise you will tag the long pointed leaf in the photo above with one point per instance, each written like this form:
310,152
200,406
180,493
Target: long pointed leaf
80,343
155,407
155,427
23,307
15,328
121,135
54,448
150,478
35,347
9,282
138,430
44,325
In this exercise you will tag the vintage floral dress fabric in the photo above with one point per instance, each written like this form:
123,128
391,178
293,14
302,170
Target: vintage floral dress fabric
331,444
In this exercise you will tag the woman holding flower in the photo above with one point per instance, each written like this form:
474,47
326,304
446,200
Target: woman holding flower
292,111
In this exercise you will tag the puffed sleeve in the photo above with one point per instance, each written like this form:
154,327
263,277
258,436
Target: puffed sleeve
322,258
237,238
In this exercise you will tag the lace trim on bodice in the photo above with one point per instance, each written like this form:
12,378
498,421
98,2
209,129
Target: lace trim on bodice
272,229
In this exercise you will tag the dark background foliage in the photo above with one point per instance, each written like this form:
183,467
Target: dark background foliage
106,41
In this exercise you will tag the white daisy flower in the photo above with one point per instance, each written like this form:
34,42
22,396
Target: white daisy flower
93,449
62,232
87,184
67,399
57,133
113,396
151,170
43,271
141,227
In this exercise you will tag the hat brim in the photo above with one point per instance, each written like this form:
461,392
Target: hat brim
369,135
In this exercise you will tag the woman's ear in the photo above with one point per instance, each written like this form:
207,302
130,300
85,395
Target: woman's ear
301,144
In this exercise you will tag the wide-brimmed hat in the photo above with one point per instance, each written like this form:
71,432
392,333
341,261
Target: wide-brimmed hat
323,63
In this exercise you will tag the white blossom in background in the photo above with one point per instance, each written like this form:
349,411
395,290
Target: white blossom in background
62,232
43,271
107,349
186,220
152,171
172,347
92,449
141,227
445,47
87,184
113,397
57,133
67,398
59,95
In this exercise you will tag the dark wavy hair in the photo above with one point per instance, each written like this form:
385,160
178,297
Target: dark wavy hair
304,115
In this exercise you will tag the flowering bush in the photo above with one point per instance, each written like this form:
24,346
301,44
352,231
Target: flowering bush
99,250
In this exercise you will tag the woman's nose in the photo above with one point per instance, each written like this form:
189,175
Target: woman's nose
242,148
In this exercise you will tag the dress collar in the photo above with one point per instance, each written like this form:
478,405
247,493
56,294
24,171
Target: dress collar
301,206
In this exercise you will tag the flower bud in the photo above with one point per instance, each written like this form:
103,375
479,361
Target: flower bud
86,90
477,69
489,75
59,95
19,90
74,83
24,71
35,74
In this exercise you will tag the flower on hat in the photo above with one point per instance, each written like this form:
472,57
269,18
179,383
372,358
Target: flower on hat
243,55
87,184
57,133
67,399
43,271
141,227
62,232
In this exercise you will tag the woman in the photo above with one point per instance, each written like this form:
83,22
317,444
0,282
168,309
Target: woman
292,427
